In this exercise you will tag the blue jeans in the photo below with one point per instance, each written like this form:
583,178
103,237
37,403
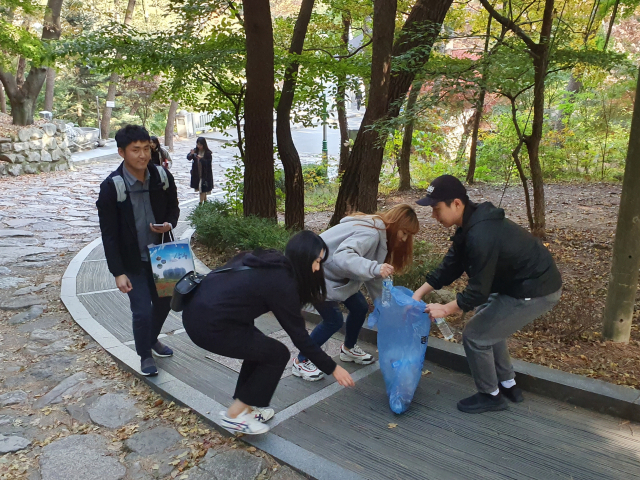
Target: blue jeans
332,321
148,311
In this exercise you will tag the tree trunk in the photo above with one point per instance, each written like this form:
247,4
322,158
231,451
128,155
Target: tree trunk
340,99
384,14
22,66
611,23
171,120
105,121
3,100
623,282
473,153
293,181
540,65
407,140
466,131
366,156
259,185
48,93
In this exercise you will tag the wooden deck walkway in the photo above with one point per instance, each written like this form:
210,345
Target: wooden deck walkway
539,439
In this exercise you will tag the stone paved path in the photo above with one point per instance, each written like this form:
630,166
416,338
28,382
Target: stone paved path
66,411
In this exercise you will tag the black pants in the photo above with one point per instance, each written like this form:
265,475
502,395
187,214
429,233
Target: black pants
148,311
264,358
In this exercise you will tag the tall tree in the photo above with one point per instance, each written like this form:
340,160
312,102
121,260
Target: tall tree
359,187
259,184
341,94
623,282
23,95
3,100
105,121
293,181
477,117
539,53
168,129
49,87
407,139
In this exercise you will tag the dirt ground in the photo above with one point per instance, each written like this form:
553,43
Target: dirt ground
581,222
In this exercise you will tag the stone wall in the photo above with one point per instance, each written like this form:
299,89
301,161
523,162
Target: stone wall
41,148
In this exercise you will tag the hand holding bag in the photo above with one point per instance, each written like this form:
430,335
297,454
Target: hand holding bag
169,263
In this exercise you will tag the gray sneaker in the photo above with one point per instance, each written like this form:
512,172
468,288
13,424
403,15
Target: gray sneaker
148,367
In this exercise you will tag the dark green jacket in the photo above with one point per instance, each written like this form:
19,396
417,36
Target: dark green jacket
499,256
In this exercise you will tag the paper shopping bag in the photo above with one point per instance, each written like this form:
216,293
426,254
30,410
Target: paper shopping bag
169,263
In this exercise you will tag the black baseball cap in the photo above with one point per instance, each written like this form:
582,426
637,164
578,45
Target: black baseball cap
445,187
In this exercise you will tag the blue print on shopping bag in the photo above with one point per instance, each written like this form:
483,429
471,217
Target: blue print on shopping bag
403,333
170,262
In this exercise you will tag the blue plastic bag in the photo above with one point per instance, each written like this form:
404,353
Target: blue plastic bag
403,333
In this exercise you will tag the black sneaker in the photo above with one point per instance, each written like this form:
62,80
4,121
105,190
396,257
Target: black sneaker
482,402
514,393
148,367
161,350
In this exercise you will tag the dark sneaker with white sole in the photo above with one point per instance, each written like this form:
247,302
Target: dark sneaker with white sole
148,367
514,393
482,402
161,350
356,354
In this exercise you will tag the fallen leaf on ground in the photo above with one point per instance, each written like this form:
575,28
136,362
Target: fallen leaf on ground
392,425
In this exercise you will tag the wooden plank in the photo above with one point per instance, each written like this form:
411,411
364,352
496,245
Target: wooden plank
112,311
93,277
539,439
96,254
190,365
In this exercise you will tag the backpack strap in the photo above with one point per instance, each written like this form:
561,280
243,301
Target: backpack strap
163,176
121,188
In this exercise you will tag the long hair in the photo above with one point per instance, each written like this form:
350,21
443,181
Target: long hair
203,141
155,141
400,217
302,250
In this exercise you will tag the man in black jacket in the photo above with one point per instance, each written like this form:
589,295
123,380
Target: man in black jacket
512,281
137,206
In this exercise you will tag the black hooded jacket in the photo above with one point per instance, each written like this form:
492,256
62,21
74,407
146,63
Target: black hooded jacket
499,256
236,298
118,225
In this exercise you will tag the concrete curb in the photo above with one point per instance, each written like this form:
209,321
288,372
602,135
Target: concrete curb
301,460
585,392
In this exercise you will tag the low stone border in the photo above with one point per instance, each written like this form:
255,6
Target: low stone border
301,460
585,392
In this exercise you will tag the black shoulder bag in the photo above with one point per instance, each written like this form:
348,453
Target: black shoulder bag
186,286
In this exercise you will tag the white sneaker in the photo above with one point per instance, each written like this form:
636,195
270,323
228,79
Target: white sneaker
306,370
356,354
244,423
263,414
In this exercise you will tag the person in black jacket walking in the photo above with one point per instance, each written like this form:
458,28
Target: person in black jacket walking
133,201
512,281
202,169
220,318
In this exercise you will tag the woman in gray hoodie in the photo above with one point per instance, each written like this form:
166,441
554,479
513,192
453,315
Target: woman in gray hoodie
363,249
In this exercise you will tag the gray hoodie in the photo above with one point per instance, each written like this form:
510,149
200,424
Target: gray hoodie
357,249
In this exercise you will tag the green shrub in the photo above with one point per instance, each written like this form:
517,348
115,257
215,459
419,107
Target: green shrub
424,260
220,231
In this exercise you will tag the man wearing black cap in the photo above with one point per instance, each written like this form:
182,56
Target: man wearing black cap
512,281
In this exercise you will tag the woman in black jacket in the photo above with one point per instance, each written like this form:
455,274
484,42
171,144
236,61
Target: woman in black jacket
220,318
201,170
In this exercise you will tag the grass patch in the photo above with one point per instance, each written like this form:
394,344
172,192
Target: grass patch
220,230
321,198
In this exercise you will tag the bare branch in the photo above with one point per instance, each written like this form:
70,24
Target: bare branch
511,25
